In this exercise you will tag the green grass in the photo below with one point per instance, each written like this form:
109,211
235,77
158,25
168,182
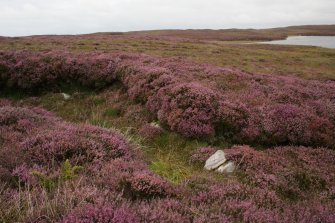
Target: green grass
167,154
175,171
113,112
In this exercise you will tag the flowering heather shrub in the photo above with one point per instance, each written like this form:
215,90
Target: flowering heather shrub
23,173
231,200
283,184
160,210
78,143
150,131
15,124
155,78
10,158
133,180
10,116
193,99
293,172
143,184
107,158
4,102
163,210
35,137
101,214
314,212
190,109
288,123
113,173
21,70
96,70
201,155
27,71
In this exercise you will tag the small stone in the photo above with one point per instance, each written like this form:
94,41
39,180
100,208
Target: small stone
227,168
155,124
216,160
66,96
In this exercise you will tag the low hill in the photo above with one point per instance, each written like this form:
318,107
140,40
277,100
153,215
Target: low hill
244,34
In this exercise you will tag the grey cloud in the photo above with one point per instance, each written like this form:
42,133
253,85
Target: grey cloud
28,17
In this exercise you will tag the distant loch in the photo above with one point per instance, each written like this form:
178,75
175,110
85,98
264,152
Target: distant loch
321,41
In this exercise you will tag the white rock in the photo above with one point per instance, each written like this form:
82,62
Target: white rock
66,96
227,168
155,124
216,160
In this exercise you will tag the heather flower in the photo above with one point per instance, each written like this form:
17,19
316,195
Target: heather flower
202,154
101,214
23,173
189,109
149,131
143,184
163,210
4,102
195,100
33,136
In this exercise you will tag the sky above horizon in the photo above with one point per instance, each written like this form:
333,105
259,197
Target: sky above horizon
36,17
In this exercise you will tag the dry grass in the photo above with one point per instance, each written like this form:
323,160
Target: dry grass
39,205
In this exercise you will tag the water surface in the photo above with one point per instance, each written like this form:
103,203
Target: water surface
321,41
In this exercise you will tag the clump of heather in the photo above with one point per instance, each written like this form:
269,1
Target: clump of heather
282,124
4,102
101,214
133,180
144,184
43,139
163,210
78,143
295,173
190,109
201,155
150,131
281,184
160,210
276,185
195,100
233,201
38,141
33,141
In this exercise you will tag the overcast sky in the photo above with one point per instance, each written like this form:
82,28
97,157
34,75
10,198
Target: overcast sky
30,17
